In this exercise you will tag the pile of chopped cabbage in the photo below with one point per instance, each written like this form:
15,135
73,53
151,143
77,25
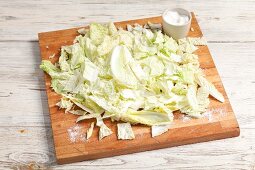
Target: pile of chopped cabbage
138,75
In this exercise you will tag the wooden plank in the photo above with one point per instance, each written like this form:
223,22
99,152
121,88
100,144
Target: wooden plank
196,130
35,144
219,21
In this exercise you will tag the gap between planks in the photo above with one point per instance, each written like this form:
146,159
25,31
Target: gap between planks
209,42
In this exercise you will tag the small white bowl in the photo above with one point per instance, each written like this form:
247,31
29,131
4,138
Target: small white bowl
177,31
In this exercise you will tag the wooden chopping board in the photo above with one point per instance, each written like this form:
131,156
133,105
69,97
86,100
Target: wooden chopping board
70,143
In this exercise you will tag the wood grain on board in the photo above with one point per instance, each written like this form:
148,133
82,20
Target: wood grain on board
218,124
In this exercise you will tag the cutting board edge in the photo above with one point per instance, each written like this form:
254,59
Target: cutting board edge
230,133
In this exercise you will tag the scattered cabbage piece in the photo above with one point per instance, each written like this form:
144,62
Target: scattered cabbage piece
125,131
186,46
129,27
157,130
112,29
65,104
78,112
200,41
82,31
104,131
210,88
100,121
155,26
90,130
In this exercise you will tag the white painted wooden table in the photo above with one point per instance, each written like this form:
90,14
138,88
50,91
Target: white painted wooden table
25,132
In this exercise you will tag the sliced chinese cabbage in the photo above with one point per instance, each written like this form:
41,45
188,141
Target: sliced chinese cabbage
147,117
85,103
120,67
77,57
90,49
53,71
197,40
56,85
97,32
48,67
65,104
202,99
209,87
82,31
159,37
154,26
139,76
170,44
112,29
103,103
107,45
153,65
180,88
125,131
126,38
73,83
190,58
192,96
157,130
197,102
186,75
90,130
128,94
78,112
186,46
87,116
90,71
63,64
83,106
104,131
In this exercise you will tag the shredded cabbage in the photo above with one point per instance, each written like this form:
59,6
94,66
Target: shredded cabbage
157,130
125,131
65,104
90,130
137,76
